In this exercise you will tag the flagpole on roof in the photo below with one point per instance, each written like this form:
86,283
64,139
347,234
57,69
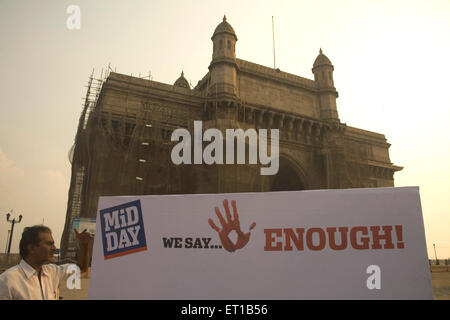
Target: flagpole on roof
273,40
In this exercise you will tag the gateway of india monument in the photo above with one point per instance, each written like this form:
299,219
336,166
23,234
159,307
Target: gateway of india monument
123,143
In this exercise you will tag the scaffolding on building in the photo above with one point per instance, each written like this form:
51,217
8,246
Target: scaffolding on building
94,87
79,154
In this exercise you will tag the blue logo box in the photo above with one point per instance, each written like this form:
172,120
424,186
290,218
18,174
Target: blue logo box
122,230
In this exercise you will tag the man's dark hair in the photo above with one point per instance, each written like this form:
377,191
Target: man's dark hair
30,235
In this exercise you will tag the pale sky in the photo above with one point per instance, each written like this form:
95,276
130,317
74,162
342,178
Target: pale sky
392,71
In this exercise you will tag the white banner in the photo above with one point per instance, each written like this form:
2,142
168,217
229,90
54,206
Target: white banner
324,244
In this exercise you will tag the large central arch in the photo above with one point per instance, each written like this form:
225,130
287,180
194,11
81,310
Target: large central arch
290,176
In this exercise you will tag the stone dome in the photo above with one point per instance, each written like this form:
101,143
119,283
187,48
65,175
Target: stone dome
224,27
182,82
322,60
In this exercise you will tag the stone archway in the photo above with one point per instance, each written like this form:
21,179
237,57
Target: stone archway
289,177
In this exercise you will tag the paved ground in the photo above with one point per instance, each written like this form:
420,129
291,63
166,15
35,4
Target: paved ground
81,294
441,285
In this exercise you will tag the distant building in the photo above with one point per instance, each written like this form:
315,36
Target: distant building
123,144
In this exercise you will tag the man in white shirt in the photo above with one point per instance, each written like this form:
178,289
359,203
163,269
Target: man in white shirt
34,277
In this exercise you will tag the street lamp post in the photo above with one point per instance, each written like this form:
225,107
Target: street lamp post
13,221
435,255
7,241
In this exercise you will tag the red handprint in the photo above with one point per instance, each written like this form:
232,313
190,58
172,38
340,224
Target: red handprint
231,224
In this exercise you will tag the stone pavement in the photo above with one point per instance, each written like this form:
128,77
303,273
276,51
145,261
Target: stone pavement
81,294
441,285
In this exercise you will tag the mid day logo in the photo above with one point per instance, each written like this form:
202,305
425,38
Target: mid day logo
122,230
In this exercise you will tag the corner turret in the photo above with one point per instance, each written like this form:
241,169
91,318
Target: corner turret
323,75
223,67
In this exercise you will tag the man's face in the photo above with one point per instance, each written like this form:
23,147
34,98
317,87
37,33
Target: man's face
43,252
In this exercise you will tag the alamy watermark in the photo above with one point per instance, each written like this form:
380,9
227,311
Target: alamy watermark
73,22
213,152
74,277
374,281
